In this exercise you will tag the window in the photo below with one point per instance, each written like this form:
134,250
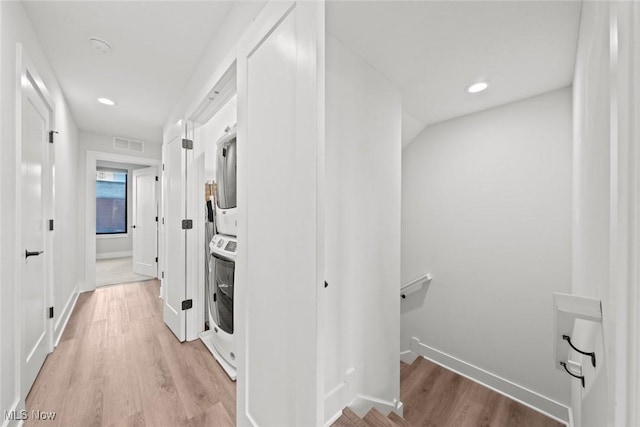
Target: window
111,202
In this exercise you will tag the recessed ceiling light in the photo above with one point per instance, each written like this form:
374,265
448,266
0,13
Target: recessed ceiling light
477,87
100,46
106,101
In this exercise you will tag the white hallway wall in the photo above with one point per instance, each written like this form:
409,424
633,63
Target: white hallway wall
16,27
109,246
89,141
486,209
362,232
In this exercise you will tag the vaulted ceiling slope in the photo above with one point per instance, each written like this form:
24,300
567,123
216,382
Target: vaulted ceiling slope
156,46
433,50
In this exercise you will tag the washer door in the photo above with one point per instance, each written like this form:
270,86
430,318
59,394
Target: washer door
223,284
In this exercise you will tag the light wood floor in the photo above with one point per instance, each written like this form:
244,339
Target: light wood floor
436,397
117,364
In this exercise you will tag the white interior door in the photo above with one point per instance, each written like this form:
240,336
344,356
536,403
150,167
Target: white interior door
174,200
144,227
34,195
280,227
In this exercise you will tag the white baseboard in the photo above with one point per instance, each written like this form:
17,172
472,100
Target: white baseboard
408,357
334,403
64,315
110,255
363,404
339,397
532,399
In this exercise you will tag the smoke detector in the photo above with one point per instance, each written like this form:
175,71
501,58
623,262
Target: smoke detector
100,46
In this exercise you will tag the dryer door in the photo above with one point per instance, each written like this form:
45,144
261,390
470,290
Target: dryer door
226,174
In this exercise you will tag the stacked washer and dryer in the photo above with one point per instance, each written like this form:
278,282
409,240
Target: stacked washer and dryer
220,338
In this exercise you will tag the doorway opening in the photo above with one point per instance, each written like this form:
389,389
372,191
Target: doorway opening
126,223
116,252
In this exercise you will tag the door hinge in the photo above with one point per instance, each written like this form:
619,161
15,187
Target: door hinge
156,178
187,304
162,220
187,144
156,259
163,166
162,275
156,219
215,297
50,312
51,132
187,224
50,225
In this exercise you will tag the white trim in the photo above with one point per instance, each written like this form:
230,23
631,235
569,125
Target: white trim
634,292
408,357
112,236
90,208
111,255
529,398
363,404
333,419
340,396
333,403
65,314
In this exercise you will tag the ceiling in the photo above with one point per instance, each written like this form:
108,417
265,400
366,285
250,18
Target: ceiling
433,50
156,47
430,50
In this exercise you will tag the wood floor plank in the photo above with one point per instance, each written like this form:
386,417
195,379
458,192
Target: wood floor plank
81,318
195,395
214,376
122,395
434,396
135,420
398,420
118,365
375,419
354,418
343,421
216,416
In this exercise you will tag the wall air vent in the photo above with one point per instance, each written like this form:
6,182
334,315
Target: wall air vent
128,145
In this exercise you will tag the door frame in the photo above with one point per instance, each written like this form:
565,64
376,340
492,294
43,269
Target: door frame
90,207
624,273
211,98
632,291
26,69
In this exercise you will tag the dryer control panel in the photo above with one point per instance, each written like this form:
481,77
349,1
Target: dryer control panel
224,245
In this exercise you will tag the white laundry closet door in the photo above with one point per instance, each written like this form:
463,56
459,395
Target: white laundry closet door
144,228
279,266
174,200
34,193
